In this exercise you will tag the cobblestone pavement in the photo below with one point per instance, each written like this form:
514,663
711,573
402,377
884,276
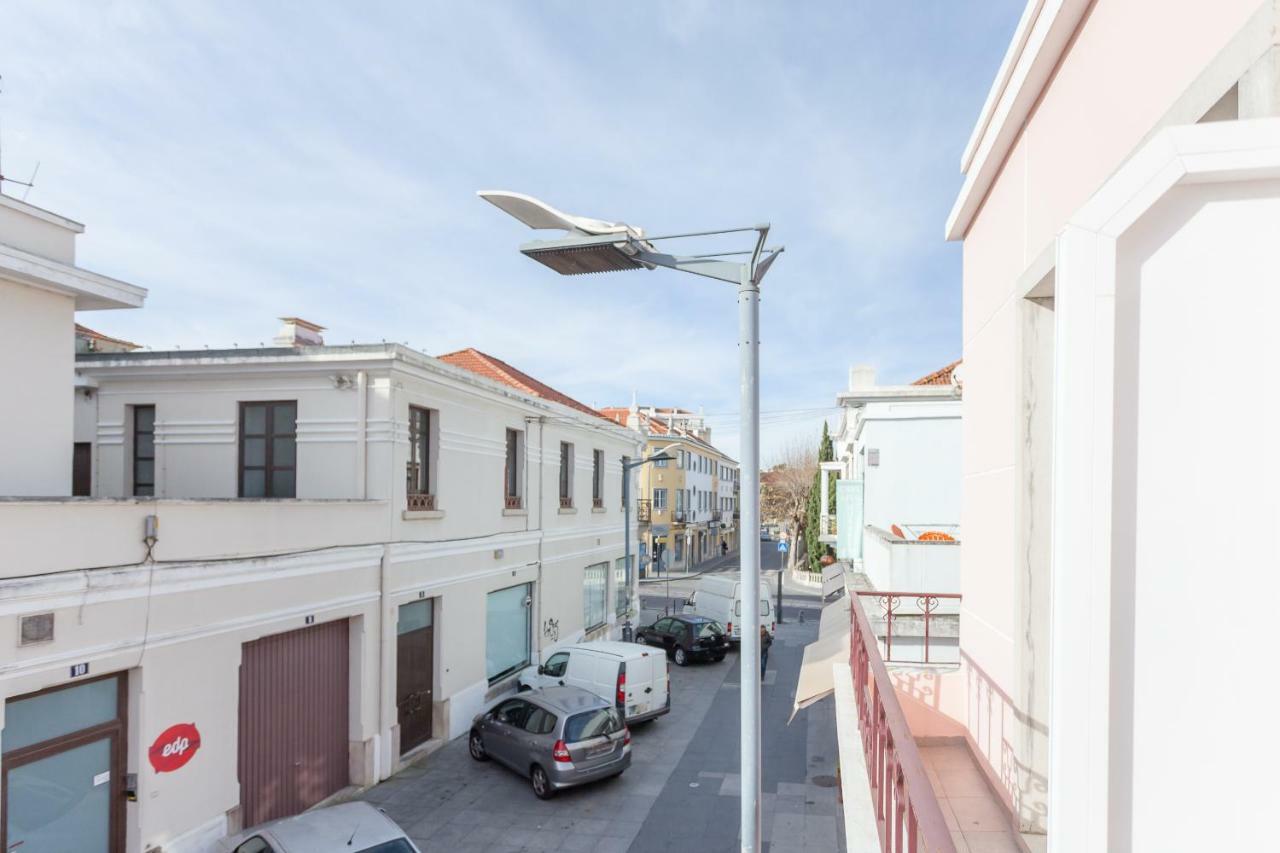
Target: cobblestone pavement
681,791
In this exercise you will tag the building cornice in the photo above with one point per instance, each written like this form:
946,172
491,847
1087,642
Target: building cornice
90,290
1043,34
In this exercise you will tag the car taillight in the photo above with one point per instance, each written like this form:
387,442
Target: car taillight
626,737
560,752
730,627
622,687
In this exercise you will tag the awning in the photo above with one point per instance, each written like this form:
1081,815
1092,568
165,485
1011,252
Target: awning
835,617
832,578
816,681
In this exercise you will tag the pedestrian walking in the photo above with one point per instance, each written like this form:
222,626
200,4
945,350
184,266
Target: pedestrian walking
765,642
724,549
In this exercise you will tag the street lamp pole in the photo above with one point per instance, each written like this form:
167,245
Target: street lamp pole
592,246
749,698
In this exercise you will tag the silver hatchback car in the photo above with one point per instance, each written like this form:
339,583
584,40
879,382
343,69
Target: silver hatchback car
556,736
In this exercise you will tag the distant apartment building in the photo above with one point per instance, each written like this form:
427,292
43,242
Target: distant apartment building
688,505
296,566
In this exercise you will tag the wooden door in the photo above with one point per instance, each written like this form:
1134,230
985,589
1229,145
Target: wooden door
415,672
82,469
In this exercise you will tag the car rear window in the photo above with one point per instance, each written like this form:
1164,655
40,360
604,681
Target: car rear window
710,629
592,724
397,846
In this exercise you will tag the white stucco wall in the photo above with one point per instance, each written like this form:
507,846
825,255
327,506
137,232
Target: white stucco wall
918,478
1192,514
36,345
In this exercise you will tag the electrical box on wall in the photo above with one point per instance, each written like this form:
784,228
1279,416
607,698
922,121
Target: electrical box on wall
873,457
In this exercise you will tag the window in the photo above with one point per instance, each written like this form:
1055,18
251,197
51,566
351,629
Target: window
257,844
512,476
592,724
660,499
419,471
566,475
679,549
513,712
268,449
540,722
556,665
507,631
81,469
679,500
597,479
661,463
595,595
144,450
621,592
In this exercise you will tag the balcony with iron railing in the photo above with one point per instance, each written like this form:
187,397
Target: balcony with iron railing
907,812
899,653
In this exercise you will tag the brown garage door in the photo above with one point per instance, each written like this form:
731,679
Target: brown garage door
293,721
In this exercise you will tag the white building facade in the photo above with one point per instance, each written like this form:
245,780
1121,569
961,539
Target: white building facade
299,567
898,452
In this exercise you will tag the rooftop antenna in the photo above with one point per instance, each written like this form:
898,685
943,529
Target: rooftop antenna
30,183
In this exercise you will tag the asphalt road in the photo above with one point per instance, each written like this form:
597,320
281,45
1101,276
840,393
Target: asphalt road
682,790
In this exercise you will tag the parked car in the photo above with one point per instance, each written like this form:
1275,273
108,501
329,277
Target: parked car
764,535
719,597
348,828
636,680
556,736
687,637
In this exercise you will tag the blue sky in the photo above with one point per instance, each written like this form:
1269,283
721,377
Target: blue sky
250,160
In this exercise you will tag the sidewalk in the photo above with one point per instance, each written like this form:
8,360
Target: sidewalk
709,566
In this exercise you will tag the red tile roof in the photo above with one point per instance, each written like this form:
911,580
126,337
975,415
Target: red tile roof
86,332
939,377
499,371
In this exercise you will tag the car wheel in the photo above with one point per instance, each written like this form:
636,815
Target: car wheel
640,638
680,657
476,747
541,784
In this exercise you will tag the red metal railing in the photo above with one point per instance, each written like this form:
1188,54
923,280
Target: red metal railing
514,502
906,807
890,602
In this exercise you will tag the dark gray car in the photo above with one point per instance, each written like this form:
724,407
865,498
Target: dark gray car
556,736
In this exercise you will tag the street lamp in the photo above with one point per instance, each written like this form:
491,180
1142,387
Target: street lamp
592,245
627,467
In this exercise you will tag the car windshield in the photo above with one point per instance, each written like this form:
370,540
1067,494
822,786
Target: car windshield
710,629
399,845
592,724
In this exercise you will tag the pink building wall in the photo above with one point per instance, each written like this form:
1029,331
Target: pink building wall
1126,66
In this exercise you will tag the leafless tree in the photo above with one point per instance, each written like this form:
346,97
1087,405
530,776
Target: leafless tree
784,492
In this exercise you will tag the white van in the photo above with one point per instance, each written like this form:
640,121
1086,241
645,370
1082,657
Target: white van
635,678
719,597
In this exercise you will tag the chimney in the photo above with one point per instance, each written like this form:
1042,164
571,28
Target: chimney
862,376
297,332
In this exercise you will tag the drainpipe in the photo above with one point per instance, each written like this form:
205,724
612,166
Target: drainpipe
362,425
384,680
542,530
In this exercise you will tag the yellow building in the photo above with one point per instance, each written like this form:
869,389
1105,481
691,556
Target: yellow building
688,505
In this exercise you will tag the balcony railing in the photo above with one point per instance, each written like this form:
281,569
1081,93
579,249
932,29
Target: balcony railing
597,503
906,806
514,502
566,503
917,629
420,502
681,516
644,511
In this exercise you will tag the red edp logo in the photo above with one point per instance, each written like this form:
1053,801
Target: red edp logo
174,747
